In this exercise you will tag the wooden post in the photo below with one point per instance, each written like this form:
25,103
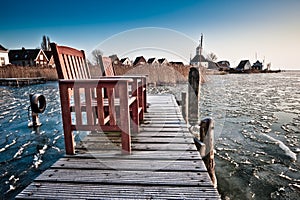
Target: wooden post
67,120
207,137
124,118
184,109
193,97
135,107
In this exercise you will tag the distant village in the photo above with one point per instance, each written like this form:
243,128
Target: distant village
44,58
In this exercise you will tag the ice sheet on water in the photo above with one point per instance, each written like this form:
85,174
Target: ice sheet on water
8,145
4,113
21,149
288,152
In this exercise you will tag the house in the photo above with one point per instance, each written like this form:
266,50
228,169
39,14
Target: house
152,61
199,60
28,57
114,59
4,60
244,65
49,55
212,65
139,61
163,61
126,61
224,65
257,65
179,64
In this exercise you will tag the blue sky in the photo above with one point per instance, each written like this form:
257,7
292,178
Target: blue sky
233,30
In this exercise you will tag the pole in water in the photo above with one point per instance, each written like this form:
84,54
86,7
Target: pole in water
37,105
193,96
207,137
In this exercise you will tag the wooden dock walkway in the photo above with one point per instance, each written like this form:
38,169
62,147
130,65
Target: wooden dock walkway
164,164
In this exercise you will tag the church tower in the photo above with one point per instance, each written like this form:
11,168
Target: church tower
199,60
199,48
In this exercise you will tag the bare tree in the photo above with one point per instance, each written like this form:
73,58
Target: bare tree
212,57
97,53
45,44
49,47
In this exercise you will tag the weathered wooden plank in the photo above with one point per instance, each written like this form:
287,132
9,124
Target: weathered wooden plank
164,129
174,140
156,132
163,125
141,139
131,165
164,147
140,146
144,155
162,119
163,134
166,115
94,191
126,177
164,109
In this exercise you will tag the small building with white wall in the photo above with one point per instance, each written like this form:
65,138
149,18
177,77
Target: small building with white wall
244,65
4,60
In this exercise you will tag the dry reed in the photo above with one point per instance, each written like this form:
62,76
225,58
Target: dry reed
12,71
157,74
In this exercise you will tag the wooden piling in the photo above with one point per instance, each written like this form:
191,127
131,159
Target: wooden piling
184,108
207,137
206,143
193,96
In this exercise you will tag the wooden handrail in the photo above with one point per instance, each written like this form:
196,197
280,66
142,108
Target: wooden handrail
95,108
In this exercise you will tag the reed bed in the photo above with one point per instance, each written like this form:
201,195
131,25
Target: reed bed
12,71
157,74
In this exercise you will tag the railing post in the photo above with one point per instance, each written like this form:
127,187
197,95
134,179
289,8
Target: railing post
66,118
207,137
124,118
135,106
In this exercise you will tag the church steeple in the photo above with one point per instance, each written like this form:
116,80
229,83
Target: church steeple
199,48
196,61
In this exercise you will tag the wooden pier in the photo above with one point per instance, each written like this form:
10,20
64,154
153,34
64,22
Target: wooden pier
164,164
21,81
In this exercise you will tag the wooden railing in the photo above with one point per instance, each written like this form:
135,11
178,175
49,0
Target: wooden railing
85,97
104,104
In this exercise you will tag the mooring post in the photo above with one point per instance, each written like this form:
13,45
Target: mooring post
184,106
207,137
193,96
